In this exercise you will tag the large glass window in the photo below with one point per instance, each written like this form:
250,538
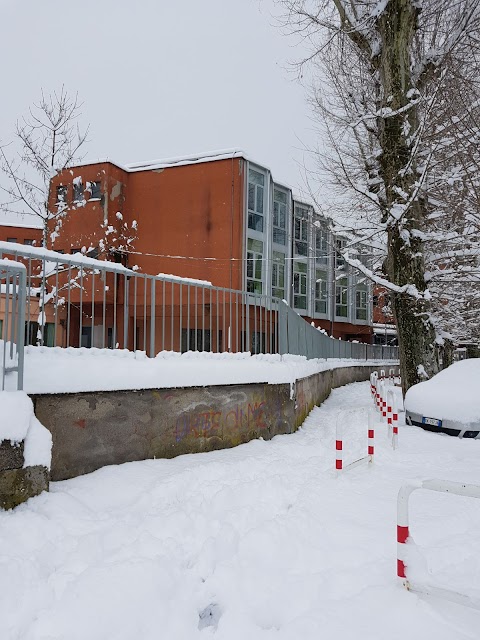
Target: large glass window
339,248
299,285
254,265
301,231
256,195
321,245
278,275
321,291
361,302
279,216
341,298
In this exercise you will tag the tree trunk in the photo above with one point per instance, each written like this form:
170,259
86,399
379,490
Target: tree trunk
405,261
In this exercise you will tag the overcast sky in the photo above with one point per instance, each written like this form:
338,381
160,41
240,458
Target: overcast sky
161,78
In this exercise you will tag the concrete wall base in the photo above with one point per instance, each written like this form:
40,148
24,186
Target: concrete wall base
91,430
18,484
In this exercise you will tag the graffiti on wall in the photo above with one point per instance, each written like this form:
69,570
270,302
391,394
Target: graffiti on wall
209,422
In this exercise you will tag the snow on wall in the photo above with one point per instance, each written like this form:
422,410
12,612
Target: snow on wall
18,423
59,370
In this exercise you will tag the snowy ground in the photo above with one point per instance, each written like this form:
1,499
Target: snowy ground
257,542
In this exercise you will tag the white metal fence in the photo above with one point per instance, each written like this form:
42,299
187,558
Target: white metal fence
12,320
75,300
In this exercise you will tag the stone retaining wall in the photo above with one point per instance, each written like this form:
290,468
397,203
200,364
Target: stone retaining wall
91,430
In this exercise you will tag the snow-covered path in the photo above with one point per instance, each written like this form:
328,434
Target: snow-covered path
262,541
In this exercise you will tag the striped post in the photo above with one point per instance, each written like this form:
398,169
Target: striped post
374,387
339,443
371,435
395,423
390,401
403,534
383,397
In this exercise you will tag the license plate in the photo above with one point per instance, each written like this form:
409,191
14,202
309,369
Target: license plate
432,421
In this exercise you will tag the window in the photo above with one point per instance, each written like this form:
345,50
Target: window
62,191
299,285
361,298
321,245
341,298
29,242
200,340
95,190
321,291
93,252
78,190
256,191
339,259
278,275
254,265
279,216
301,231
257,342
11,239
33,334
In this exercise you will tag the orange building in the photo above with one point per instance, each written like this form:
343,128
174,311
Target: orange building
218,217
22,233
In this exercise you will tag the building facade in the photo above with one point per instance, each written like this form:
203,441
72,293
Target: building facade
220,218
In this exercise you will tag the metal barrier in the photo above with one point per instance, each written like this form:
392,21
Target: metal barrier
339,443
300,338
76,300
403,533
12,305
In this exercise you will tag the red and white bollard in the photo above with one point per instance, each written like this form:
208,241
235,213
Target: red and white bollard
395,423
339,466
373,383
383,400
371,435
339,452
390,401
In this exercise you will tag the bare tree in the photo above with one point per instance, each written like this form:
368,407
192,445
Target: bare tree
48,140
386,69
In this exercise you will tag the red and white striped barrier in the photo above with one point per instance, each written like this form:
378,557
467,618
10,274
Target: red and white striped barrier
339,466
383,400
394,422
403,533
373,384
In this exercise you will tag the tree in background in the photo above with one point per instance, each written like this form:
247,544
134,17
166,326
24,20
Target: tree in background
386,70
48,140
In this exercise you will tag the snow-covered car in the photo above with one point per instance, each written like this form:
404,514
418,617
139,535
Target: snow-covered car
449,402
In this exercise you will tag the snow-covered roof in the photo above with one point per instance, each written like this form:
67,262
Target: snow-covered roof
204,156
20,225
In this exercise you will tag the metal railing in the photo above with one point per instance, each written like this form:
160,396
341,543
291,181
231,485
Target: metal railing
301,338
74,300
12,308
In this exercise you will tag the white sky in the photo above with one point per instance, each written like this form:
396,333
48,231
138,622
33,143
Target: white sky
161,78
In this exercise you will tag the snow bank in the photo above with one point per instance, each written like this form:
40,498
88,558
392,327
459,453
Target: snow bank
260,542
58,370
453,394
18,423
